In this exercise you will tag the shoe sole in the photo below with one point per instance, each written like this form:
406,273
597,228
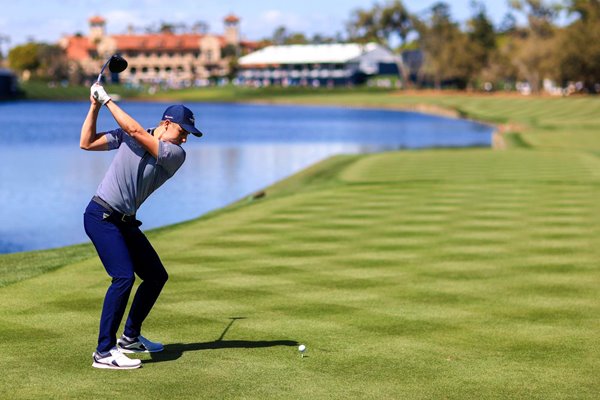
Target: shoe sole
110,366
129,351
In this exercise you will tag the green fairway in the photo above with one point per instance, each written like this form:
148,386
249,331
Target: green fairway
435,274
451,274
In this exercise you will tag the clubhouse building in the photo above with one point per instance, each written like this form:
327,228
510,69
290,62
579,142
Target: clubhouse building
167,58
316,65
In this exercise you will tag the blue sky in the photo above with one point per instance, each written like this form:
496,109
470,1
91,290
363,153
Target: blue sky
48,20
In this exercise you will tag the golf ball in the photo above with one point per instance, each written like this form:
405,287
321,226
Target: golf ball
301,347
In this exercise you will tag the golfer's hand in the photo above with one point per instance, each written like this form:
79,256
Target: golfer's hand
99,94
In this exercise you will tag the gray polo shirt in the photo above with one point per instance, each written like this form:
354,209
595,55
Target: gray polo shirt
134,173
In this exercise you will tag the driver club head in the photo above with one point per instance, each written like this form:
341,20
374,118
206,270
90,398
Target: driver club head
117,63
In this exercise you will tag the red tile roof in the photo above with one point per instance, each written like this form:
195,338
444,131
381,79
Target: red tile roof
78,48
231,18
250,45
96,20
158,41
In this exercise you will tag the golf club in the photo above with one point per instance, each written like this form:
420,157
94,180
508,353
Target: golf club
115,63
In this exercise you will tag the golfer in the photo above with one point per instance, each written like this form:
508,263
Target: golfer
145,159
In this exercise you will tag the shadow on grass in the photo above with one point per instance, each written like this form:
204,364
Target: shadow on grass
174,351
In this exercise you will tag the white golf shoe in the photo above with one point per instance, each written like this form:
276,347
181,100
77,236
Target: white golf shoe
138,345
116,360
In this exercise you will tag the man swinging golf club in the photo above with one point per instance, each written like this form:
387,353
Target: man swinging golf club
145,159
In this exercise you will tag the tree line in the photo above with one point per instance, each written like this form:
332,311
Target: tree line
474,54
478,54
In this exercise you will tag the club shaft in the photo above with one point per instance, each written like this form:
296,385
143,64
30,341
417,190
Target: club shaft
102,70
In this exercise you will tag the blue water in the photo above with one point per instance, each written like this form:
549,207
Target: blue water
46,181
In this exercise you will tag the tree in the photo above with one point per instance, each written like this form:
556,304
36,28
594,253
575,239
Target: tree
24,57
3,39
397,21
282,36
482,39
579,45
446,48
384,24
508,24
229,50
40,59
279,35
201,27
534,48
296,38
501,68
321,39
364,26
53,62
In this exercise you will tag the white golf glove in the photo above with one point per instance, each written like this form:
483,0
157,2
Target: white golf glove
99,93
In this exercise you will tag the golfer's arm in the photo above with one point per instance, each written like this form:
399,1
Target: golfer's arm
134,129
89,140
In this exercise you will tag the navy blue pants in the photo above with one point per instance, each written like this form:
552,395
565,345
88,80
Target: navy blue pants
124,251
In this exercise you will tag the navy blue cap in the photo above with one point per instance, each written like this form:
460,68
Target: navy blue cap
182,116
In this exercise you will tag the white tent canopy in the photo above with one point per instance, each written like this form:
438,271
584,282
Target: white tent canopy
318,54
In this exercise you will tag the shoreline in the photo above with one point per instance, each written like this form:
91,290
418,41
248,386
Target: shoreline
497,142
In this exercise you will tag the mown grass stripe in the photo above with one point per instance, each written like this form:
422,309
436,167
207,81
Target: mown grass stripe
428,274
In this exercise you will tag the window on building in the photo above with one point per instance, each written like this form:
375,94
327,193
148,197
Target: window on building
132,70
144,69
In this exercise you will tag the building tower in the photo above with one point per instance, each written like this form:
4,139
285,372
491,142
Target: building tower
97,28
232,30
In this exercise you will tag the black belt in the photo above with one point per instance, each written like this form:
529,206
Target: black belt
119,216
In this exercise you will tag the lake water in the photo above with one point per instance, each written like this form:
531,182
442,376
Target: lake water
46,181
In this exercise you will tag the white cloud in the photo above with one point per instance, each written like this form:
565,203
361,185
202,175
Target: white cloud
272,16
117,21
276,18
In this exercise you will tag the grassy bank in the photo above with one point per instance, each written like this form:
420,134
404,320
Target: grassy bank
428,274
36,90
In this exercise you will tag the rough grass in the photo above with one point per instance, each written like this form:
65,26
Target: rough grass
428,274
19,266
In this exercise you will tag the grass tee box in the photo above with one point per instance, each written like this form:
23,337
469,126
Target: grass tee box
430,274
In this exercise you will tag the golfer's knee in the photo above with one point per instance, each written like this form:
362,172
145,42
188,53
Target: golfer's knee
162,278
157,279
123,283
